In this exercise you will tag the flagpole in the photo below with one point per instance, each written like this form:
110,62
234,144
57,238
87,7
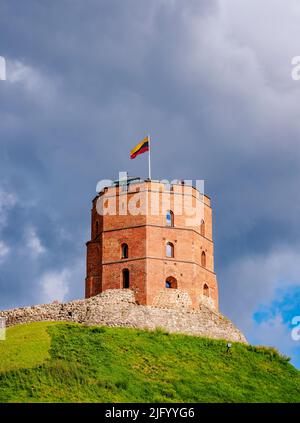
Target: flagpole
149,157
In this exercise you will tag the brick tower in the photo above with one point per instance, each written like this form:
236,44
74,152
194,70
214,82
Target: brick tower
144,240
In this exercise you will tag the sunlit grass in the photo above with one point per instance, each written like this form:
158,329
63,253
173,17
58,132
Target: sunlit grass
25,346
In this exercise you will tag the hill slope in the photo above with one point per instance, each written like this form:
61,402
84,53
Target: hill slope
56,362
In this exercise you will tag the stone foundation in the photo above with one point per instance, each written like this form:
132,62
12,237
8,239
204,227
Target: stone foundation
117,307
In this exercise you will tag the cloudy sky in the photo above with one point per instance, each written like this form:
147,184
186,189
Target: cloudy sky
211,81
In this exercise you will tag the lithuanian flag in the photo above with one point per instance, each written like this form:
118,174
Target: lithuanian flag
142,147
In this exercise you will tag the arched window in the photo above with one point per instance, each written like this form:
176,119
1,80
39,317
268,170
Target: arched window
171,282
170,218
125,274
97,227
203,259
169,249
202,228
206,290
124,251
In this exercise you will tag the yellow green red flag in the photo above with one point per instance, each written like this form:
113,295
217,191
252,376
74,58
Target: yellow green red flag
141,148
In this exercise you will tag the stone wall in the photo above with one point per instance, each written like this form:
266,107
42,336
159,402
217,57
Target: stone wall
117,307
172,298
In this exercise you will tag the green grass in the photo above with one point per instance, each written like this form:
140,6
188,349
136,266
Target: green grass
25,346
51,362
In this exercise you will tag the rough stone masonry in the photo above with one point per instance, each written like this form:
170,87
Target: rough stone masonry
118,307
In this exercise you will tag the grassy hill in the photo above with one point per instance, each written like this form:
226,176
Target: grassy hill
60,362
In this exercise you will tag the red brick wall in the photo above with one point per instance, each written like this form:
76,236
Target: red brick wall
147,236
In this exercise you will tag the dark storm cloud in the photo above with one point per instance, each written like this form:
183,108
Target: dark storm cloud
86,79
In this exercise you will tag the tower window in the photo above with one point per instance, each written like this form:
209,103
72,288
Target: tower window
171,282
203,259
97,227
205,290
125,274
202,228
169,249
124,251
170,218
